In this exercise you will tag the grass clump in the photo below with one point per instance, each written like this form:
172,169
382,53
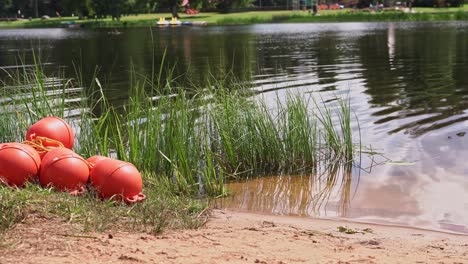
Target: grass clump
194,139
12,207
188,142
198,140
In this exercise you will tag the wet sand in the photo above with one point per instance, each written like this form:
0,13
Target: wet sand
235,237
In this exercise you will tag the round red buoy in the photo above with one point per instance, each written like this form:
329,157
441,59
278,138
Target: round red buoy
117,179
53,128
64,170
95,159
92,161
18,164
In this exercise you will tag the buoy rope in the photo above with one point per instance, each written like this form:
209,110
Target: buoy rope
38,144
51,141
78,192
90,164
135,199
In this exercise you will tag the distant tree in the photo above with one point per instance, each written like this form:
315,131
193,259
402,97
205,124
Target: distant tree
174,5
438,3
6,8
100,7
114,8
225,5
144,6
24,6
69,7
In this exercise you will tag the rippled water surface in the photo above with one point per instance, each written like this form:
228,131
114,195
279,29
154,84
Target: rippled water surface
407,83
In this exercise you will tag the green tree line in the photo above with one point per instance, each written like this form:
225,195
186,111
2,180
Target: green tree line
103,8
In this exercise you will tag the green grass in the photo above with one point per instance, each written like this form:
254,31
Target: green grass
187,142
441,9
161,210
144,20
375,17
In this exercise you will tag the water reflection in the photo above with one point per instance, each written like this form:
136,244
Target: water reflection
420,81
414,73
325,193
42,33
395,194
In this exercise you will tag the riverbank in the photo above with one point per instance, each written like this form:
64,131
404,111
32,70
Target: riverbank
232,237
345,15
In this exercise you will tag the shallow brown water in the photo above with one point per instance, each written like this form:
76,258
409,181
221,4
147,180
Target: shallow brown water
400,202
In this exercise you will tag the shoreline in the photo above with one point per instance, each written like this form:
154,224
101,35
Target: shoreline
351,221
234,237
245,18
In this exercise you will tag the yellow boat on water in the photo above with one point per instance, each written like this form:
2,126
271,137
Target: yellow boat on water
162,22
175,22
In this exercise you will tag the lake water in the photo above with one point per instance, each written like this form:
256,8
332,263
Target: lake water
407,83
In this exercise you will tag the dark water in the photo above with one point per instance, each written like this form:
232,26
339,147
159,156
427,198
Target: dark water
408,84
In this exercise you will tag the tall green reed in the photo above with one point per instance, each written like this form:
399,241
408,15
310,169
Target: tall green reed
194,139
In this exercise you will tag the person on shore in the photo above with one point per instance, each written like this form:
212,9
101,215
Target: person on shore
314,9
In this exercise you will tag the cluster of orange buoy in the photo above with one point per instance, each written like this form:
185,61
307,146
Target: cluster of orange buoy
46,155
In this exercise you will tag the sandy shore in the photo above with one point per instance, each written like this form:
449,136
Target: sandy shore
233,237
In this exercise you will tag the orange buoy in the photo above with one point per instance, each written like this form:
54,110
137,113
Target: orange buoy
117,179
96,180
19,163
95,159
64,170
53,128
